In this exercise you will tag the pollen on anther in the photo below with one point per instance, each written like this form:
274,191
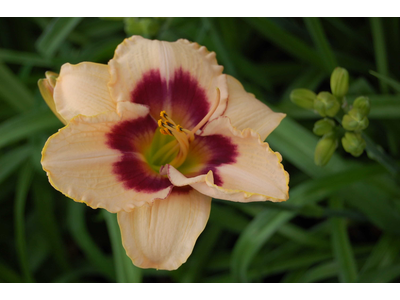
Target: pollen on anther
162,130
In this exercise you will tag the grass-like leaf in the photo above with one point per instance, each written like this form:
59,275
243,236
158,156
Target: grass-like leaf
387,80
78,230
267,222
13,91
342,246
124,269
55,34
23,184
12,160
44,203
380,50
24,125
286,41
318,35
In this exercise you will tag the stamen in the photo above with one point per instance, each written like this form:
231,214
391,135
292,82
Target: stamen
183,136
163,131
208,116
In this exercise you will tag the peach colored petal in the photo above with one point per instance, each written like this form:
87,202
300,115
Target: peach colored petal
47,90
79,163
162,235
256,175
82,89
137,56
245,111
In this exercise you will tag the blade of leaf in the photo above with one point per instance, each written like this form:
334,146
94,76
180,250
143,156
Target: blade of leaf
380,50
342,246
286,41
383,254
13,91
267,222
22,188
384,275
24,125
321,272
22,58
78,230
124,269
227,217
203,250
302,236
8,275
10,161
55,34
43,199
318,35
387,80
223,53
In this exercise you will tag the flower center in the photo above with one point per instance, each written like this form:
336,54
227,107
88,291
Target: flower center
175,152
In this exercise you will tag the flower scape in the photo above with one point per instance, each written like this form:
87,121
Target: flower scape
153,136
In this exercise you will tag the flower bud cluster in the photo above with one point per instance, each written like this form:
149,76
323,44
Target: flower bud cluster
354,122
333,106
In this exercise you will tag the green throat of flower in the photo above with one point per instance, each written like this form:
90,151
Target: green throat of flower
171,141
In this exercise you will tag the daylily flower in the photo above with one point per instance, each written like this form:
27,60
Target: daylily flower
153,136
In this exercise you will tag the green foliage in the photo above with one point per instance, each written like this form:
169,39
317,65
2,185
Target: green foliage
341,222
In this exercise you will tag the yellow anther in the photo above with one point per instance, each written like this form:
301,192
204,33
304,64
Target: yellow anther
163,114
162,130
160,123
169,132
179,128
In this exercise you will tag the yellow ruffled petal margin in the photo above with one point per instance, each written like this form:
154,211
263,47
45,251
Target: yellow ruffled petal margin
162,235
257,175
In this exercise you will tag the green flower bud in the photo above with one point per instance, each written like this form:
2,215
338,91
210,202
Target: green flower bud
339,82
326,104
354,120
147,27
303,98
323,126
363,105
353,143
325,149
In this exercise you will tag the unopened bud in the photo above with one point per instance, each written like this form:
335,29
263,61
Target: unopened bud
362,104
353,143
147,27
323,126
46,87
326,104
355,120
325,149
339,82
303,98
